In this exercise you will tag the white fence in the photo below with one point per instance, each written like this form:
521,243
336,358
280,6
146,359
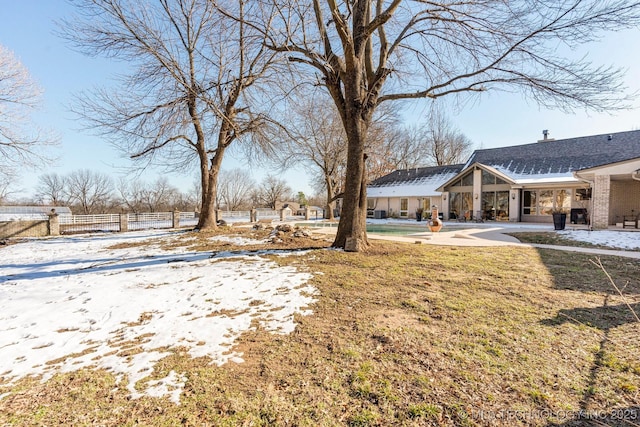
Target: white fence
149,220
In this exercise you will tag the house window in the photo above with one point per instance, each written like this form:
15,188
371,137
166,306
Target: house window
467,179
460,204
544,202
495,205
426,204
529,203
490,179
583,194
464,181
404,208
563,200
371,204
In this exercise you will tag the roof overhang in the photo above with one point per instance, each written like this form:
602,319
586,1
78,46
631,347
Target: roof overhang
619,171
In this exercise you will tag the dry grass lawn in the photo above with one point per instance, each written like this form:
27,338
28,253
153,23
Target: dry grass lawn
400,335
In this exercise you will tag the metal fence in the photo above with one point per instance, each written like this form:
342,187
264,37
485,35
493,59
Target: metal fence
69,224
89,223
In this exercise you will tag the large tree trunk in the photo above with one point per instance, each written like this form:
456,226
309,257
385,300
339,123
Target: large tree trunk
352,232
330,206
208,220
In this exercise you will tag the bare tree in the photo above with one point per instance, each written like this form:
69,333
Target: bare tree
21,142
90,191
131,194
318,141
52,188
445,144
234,188
438,49
159,196
190,96
6,180
273,190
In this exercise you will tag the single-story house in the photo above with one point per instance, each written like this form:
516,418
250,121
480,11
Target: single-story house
594,179
401,193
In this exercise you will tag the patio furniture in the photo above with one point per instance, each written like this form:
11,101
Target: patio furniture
578,216
630,221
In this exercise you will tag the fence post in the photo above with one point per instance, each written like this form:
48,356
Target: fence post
176,219
54,223
124,222
284,212
253,215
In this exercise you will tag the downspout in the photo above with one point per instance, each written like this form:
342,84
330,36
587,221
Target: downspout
635,175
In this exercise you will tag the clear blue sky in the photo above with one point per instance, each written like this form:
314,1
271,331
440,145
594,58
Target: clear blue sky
497,119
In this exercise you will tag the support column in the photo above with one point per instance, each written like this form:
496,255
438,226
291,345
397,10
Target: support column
175,223
477,192
124,222
54,223
444,205
601,197
284,213
514,205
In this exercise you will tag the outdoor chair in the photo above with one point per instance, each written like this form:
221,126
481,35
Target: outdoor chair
465,217
630,221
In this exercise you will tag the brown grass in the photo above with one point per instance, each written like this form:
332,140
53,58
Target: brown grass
400,335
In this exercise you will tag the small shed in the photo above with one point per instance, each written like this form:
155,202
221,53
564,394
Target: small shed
26,213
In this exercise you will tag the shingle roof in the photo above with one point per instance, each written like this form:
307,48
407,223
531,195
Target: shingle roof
411,182
416,175
561,156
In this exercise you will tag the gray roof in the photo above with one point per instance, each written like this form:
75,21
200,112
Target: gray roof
420,182
561,156
417,175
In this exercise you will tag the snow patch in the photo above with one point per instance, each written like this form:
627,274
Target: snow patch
72,303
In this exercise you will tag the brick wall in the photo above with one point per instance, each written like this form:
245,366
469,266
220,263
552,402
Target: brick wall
39,228
601,196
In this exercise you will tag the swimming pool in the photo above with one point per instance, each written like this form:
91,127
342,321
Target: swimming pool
388,229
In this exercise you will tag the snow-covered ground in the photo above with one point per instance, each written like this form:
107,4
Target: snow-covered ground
71,302
614,239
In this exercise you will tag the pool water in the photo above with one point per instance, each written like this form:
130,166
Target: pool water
390,229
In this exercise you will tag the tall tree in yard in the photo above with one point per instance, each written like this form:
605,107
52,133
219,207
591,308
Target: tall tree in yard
234,188
318,141
194,86
21,141
367,52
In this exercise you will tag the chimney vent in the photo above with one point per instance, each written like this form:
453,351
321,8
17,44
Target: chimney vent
545,136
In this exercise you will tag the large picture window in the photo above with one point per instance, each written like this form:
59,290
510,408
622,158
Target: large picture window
495,205
544,202
460,204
